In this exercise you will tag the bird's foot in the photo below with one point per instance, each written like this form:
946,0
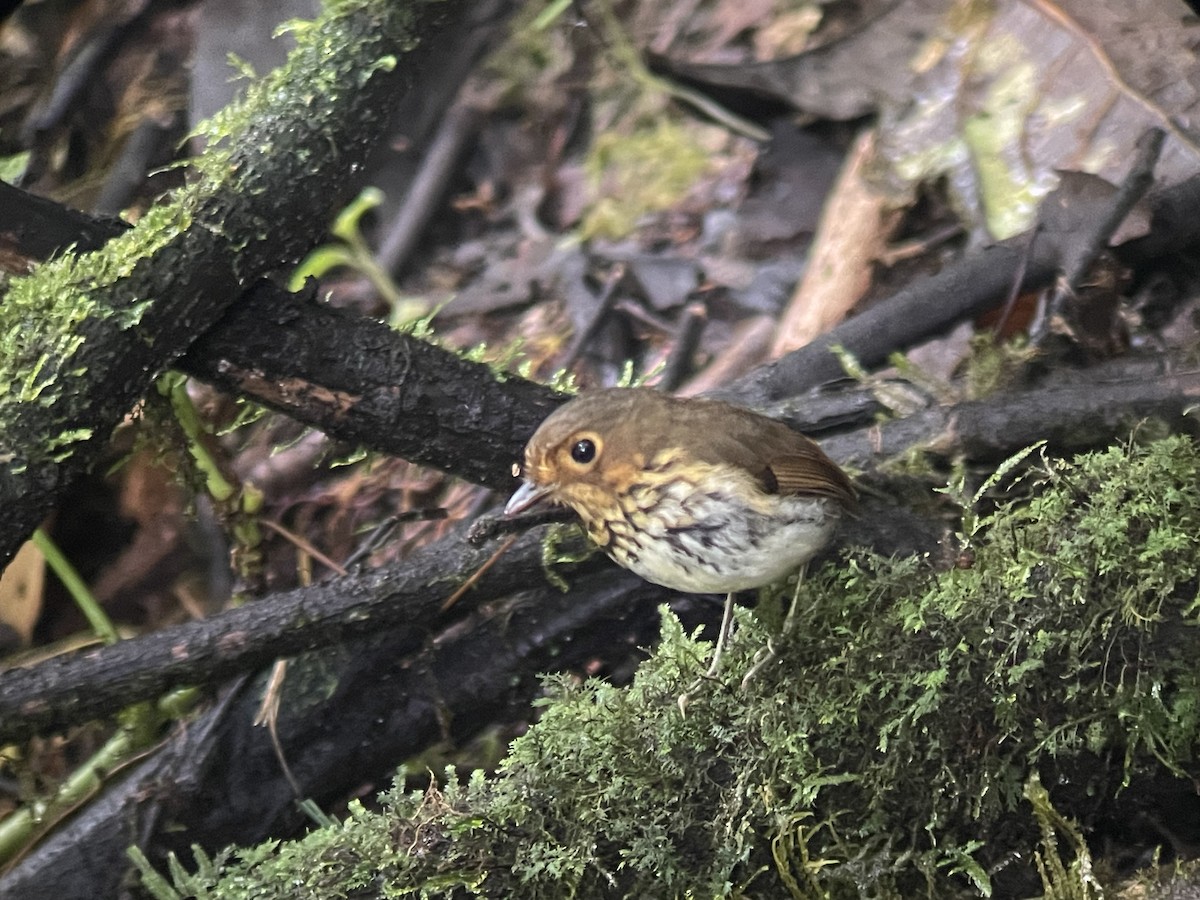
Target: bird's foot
762,659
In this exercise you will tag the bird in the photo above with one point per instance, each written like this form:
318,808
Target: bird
696,495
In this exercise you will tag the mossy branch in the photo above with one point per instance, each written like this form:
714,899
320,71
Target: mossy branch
82,337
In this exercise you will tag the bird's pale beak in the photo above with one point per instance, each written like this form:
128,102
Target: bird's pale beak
524,497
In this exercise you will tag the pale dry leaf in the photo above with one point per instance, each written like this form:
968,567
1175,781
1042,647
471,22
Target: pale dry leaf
853,232
1010,93
21,591
997,97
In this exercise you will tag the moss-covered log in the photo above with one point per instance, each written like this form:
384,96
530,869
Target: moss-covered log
82,337
943,734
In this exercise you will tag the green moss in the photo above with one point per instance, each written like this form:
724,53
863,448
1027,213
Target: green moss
526,69
896,739
44,316
994,366
635,174
1067,876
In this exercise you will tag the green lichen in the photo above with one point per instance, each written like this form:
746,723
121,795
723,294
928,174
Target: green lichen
891,751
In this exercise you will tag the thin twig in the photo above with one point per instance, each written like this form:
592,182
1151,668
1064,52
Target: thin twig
303,545
603,308
1082,255
679,361
478,573
1139,180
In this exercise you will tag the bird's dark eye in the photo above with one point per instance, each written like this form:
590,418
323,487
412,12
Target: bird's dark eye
584,451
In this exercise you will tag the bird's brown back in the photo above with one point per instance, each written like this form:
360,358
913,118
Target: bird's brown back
640,422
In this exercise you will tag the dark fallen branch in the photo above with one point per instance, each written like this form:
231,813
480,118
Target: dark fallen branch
1074,411
402,396
965,289
359,381
36,228
88,685
394,369
962,290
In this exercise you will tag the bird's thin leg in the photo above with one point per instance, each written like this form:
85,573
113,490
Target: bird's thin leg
722,637
715,666
789,620
768,654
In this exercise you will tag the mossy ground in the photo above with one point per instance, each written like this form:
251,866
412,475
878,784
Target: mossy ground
897,747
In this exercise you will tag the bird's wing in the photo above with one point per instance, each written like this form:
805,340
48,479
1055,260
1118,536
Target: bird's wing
811,473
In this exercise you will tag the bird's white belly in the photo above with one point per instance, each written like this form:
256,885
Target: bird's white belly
706,542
